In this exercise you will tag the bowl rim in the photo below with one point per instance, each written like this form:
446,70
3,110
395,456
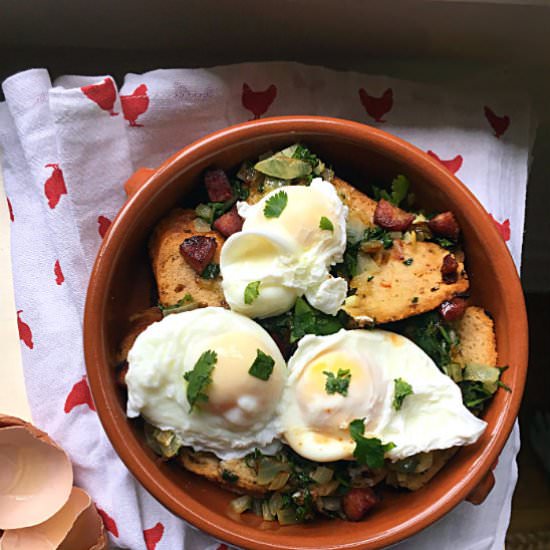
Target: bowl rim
209,145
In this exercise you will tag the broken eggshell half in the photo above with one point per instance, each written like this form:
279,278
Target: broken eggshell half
77,526
36,476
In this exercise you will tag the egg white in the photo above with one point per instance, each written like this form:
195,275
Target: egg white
316,424
289,255
242,412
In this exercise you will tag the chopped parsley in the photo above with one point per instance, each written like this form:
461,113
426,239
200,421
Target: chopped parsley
251,292
199,378
399,191
415,300
368,450
445,243
402,389
408,261
378,234
303,153
262,366
370,278
211,271
326,224
230,477
240,190
180,305
308,320
275,205
339,383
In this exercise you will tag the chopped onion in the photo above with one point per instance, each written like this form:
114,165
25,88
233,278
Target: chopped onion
204,211
268,469
266,511
201,225
241,504
279,482
332,504
327,488
322,475
395,235
257,506
287,516
276,502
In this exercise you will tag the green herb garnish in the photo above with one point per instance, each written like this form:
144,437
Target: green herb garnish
230,477
308,320
402,389
180,305
262,366
339,383
368,450
326,224
275,205
408,261
415,300
251,292
211,271
199,378
399,190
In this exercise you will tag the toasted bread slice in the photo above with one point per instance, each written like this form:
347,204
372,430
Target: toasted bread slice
212,468
394,288
412,481
138,323
175,277
361,207
476,333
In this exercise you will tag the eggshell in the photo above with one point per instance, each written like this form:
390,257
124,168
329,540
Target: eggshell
77,526
36,475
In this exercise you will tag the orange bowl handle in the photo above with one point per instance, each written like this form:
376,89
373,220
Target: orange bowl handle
483,488
137,179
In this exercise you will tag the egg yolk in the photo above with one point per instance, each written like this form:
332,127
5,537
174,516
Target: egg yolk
234,393
332,412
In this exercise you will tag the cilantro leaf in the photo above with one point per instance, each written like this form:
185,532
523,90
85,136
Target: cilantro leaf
339,383
275,205
251,292
303,153
368,450
230,477
262,366
180,305
402,389
211,271
326,224
199,378
308,320
399,191
378,234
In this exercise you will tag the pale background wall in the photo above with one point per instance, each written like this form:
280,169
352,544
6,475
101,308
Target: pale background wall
477,43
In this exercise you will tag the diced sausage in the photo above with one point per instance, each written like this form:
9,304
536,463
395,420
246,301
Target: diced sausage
198,251
218,186
453,310
358,502
449,269
229,223
445,225
391,217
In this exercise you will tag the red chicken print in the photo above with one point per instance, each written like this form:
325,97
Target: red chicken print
499,124
10,208
103,224
59,277
503,228
453,165
377,107
79,395
153,535
103,94
25,333
258,102
54,186
108,522
135,104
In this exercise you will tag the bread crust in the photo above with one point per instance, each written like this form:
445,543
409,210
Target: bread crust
174,276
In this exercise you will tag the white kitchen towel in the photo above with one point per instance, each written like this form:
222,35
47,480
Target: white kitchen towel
69,147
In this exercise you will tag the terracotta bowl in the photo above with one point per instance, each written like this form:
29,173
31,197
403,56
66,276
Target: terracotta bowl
122,284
